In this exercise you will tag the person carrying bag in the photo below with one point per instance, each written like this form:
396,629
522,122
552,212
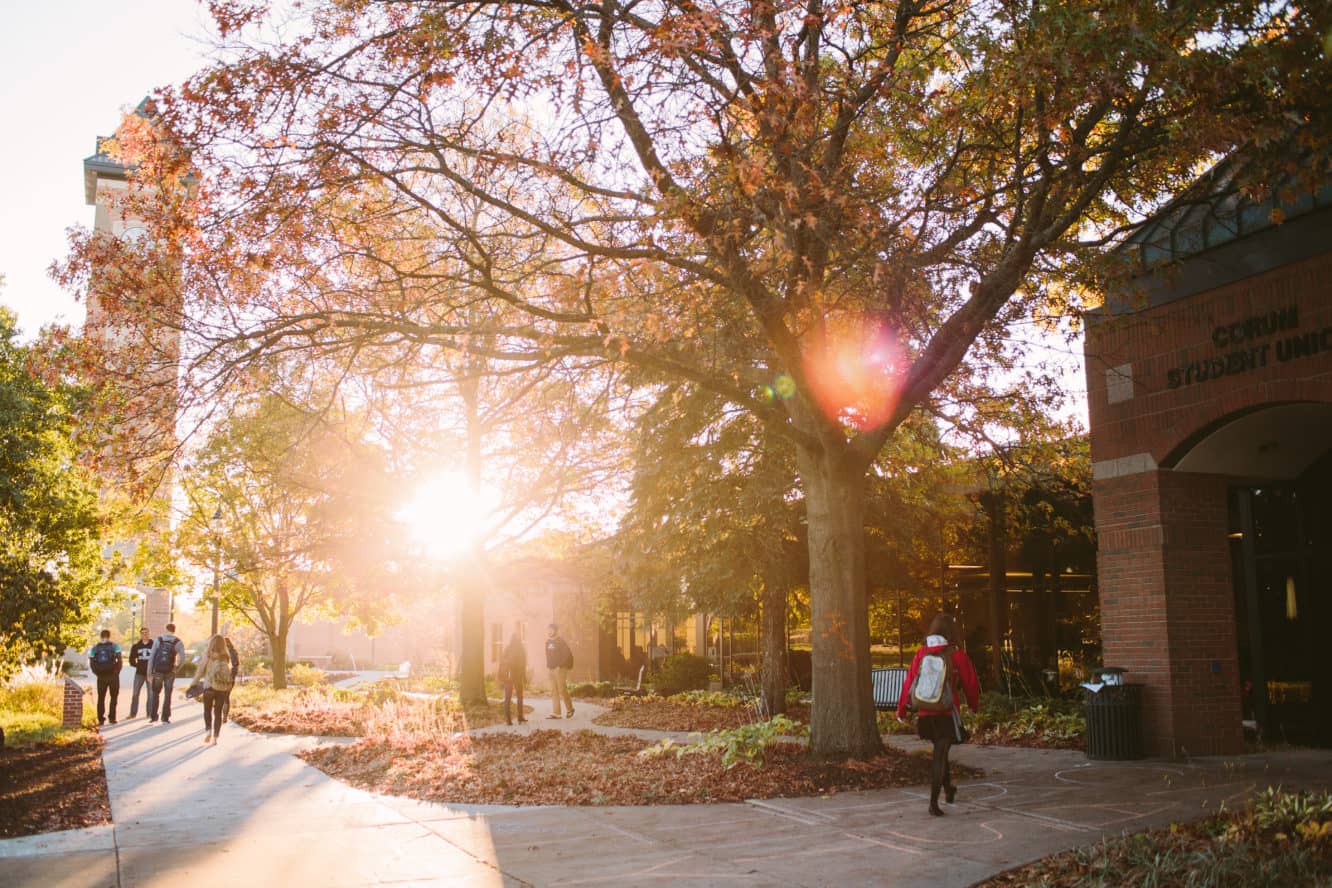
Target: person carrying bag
938,672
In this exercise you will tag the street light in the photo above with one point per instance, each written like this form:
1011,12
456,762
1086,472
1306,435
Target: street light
217,557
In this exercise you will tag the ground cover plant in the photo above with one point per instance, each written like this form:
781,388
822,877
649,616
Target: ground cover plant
1036,722
586,768
1280,838
50,779
334,712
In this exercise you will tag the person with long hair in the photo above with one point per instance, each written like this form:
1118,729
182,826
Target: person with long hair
932,685
217,678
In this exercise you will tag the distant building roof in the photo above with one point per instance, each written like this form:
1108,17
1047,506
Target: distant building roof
1215,209
1220,229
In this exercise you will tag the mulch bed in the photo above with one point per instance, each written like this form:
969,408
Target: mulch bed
586,768
664,715
45,787
1001,737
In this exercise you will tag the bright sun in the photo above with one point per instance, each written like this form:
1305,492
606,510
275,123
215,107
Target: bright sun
446,517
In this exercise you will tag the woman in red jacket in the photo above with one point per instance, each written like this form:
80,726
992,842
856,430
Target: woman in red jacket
942,726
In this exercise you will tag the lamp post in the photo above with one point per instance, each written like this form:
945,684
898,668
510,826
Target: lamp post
217,557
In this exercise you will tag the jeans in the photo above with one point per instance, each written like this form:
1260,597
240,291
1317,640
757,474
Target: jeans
140,679
510,688
107,683
162,685
214,703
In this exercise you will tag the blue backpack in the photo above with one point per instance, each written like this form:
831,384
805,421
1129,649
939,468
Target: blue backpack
164,658
103,658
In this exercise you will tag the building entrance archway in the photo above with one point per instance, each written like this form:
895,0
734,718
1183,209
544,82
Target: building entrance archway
1278,465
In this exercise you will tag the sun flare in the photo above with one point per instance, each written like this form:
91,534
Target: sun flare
446,516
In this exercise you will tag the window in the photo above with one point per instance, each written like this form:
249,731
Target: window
496,641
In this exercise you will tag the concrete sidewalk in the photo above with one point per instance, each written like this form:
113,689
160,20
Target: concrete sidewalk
248,812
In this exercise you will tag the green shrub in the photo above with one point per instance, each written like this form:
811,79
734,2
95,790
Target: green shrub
706,698
681,672
592,690
1042,718
747,743
303,676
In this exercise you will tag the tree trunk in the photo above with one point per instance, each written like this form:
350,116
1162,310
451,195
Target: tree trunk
277,646
993,504
472,664
842,724
774,648
472,614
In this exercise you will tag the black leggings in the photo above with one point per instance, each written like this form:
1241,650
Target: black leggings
940,775
214,702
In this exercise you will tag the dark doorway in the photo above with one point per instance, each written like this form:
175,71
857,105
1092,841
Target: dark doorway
1282,560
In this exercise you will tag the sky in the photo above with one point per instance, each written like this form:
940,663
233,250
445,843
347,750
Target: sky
68,70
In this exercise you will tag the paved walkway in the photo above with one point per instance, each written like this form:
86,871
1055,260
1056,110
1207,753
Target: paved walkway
247,812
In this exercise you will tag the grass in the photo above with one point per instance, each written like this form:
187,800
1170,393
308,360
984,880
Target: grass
379,710
32,707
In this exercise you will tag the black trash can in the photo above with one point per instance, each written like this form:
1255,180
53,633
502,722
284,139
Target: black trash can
1114,722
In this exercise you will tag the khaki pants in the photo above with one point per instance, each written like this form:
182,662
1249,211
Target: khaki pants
559,690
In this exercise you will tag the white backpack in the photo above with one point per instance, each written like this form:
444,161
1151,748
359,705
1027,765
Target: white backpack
932,689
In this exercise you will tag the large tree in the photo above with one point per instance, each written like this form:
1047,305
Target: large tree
294,512
825,214
51,526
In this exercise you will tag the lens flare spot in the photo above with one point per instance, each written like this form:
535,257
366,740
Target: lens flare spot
785,386
766,394
855,372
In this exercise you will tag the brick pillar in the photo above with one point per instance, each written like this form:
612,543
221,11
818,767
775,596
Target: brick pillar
73,710
1167,606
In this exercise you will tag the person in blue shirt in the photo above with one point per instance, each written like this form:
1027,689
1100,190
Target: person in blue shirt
105,660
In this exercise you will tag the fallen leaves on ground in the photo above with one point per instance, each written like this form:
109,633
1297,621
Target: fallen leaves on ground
586,768
1232,848
658,714
314,716
45,787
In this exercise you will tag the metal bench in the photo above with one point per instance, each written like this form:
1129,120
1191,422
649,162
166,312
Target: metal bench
888,686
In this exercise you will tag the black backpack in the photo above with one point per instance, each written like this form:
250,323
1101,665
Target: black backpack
164,658
104,658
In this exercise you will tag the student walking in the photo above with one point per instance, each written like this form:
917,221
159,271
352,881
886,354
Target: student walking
513,672
105,661
932,688
217,676
140,656
166,656
559,660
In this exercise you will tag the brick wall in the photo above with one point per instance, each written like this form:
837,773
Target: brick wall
1167,599
1156,419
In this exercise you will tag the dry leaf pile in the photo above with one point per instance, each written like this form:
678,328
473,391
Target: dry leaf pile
586,768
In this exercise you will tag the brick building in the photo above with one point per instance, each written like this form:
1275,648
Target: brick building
1210,400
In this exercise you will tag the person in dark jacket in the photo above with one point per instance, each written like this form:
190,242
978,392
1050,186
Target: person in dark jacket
166,656
943,727
513,671
559,660
105,660
140,656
